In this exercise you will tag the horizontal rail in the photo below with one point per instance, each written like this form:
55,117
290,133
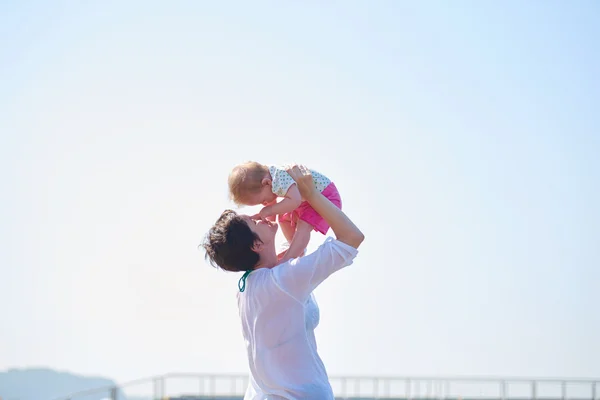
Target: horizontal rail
411,386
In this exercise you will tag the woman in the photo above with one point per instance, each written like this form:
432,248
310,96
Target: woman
275,302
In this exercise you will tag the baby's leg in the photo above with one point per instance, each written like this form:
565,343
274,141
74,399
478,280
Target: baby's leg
299,241
287,228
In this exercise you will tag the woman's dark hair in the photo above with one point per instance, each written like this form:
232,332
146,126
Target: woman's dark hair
229,243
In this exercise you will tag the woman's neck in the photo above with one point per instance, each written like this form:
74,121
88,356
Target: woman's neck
268,259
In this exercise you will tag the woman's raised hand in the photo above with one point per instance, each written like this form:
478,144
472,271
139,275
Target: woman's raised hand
304,180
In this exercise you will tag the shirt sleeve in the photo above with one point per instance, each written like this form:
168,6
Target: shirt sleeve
281,181
300,276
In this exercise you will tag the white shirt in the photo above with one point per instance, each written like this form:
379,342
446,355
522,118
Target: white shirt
279,315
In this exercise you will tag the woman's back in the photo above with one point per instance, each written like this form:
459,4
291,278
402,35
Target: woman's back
279,315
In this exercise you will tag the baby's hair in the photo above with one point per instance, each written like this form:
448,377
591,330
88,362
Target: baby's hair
246,178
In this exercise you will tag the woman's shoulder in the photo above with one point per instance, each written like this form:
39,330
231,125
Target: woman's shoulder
265,284
261,280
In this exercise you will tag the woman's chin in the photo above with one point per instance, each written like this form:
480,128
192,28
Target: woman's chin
272,225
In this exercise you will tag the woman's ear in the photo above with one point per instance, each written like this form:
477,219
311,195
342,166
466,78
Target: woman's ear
266,182
257,246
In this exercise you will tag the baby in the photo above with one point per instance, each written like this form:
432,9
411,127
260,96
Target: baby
252,183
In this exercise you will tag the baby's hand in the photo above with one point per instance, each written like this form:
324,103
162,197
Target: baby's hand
263,214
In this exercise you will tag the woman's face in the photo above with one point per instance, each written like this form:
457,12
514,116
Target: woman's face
265,230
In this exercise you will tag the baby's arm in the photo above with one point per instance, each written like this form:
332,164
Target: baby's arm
290,202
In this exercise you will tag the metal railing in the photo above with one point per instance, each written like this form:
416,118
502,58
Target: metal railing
207,386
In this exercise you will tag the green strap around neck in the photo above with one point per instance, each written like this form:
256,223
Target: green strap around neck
242,281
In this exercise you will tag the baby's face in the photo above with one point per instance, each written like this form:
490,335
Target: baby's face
264,197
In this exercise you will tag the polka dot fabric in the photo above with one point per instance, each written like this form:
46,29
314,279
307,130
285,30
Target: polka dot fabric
282,180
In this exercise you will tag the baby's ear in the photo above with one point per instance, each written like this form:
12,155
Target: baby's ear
266,181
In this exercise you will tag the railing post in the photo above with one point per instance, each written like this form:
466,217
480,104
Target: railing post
113,393
386,387
564,390
157,389
594,390
534,390
201,388
408,389
502,390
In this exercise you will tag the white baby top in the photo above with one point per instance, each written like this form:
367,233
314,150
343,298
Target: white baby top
279,315
281,180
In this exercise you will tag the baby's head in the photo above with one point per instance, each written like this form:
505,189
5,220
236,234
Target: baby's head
250,184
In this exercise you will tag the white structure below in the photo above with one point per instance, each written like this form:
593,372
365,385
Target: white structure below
232,387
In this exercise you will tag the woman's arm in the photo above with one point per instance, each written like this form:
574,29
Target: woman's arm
300,276
344,229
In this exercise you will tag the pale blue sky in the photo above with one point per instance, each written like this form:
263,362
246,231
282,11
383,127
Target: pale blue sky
463,136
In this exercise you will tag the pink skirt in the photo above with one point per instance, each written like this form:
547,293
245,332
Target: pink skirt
306,213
